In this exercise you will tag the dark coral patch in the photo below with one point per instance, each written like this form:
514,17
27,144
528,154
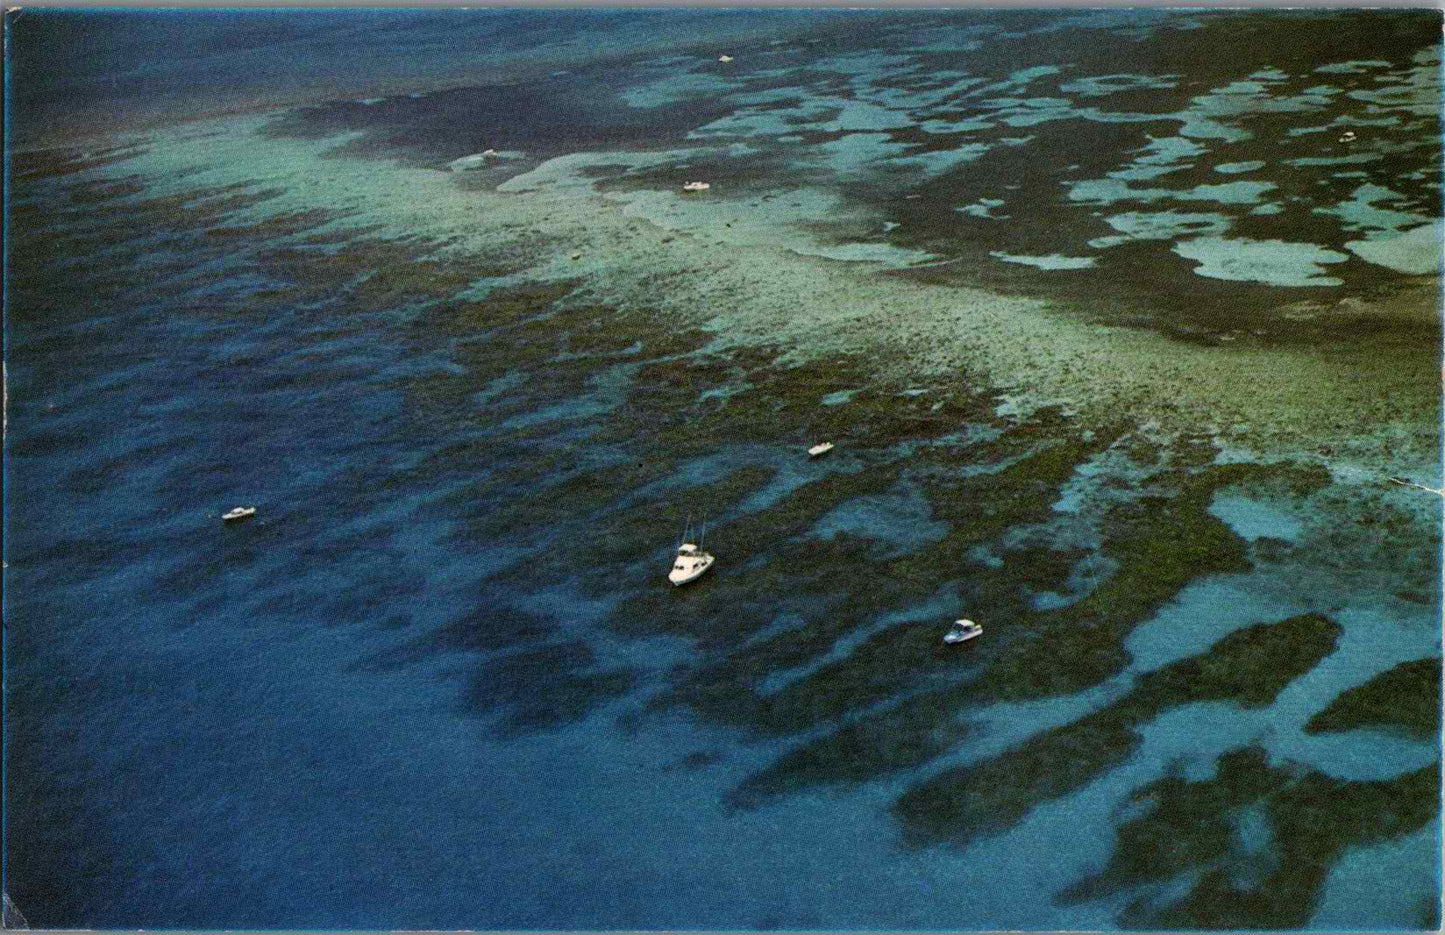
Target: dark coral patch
1311,820
1159,545
40,164
694,761
1188,824
1250,666
486,629
902,737
544,688
1405,698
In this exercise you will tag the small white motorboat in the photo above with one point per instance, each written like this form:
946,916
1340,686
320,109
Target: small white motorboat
962,631
691,562
696,186
240,512
724,58
468,163
820,449
1349,137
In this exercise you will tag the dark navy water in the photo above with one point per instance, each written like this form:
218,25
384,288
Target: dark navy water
438,680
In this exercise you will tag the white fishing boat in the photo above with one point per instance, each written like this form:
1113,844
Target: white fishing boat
962,631
696,186
240,512
475,161
1348,137
468,163
820,449
691,562
724,58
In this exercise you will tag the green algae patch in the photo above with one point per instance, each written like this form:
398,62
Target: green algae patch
731,604
858,752
1188,826
518,310
965,803
382,274
1383,539
1143,450
627,538
395,283
543,688
799,510
197,208
491,627
912,654
1193,451
756,399
1312,819
1057,651
102,190
289,224
563,502
521,357
794,569
1160,545
1250,667
662,403
36,165
687,395
601,334
1286,479
1316,819
633,535
907,654
1405,698
500,473
980,508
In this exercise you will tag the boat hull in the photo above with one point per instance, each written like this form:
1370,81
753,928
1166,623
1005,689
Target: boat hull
962,632
680,578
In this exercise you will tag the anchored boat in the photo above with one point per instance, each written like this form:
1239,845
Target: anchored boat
240,512
962,631
691,562
820,449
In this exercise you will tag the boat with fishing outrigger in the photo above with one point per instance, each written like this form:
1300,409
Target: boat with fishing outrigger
691,562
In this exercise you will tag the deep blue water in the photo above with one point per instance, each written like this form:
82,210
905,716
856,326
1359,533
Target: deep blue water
434,683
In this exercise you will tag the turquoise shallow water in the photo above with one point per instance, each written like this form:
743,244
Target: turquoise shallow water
438,682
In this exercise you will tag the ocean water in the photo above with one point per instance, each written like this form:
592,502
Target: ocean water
1119,343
